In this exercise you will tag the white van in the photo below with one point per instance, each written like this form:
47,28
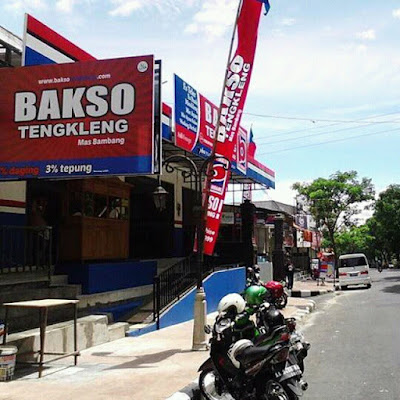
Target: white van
353,270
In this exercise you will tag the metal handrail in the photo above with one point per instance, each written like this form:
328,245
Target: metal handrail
25,248
170,284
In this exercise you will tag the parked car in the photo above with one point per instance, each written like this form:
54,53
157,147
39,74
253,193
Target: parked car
390,266
353,270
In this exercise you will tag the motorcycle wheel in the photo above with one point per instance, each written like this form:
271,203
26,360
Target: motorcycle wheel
282,301
275,391
208,389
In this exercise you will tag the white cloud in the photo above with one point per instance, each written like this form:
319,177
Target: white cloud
367,35
23,5
124,8
283,193
214,19
288,21
396,13
65,5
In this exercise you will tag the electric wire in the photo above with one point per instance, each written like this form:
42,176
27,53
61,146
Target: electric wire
328,142
261,142
317,134
318,120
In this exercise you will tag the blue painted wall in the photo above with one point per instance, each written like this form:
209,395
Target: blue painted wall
109,276
12,219
216,286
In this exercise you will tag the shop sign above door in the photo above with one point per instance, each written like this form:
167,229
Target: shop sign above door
77,119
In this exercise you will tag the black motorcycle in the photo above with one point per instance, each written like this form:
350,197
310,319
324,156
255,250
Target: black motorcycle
266,369
268,317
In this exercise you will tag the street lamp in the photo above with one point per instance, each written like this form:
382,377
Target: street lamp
160,198
196,173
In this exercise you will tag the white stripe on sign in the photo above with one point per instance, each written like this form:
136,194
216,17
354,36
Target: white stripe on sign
166,120
46,50
260,171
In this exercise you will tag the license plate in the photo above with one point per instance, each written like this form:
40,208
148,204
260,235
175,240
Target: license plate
289,372
353,273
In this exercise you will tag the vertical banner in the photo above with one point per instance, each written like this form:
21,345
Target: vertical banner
247,192
233,99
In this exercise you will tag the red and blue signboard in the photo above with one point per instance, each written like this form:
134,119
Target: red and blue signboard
195,122
42,45
88,118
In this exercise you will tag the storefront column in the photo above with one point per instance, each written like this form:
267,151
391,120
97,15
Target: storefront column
248,209
278,253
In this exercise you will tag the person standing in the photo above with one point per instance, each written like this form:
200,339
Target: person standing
290,273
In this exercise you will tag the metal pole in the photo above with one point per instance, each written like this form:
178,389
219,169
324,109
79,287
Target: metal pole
200,304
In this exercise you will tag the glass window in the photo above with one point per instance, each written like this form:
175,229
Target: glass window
352,262
100,205
75,204
115,208
88,205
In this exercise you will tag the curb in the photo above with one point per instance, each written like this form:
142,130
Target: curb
309,293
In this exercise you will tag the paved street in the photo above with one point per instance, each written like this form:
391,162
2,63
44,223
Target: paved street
355,343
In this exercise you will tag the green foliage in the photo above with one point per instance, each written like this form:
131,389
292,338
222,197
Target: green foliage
386,221
333,201
357,239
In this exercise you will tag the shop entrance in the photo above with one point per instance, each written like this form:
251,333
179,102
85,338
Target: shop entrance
151,230
44,208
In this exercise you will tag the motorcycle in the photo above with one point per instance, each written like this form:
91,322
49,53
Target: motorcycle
298,344
277,295
262,370
380,268
268,318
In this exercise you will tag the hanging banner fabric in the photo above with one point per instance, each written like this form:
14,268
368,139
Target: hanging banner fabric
195,122
77,119
234,96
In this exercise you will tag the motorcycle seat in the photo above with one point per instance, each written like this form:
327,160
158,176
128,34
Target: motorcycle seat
252,354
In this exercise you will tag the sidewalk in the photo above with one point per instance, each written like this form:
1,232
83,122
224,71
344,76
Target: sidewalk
149,367
309,288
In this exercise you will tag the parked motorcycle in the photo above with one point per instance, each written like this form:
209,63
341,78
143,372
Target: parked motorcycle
380,268
268,318
262,369
277,295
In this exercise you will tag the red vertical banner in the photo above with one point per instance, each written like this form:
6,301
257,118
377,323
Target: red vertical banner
235,89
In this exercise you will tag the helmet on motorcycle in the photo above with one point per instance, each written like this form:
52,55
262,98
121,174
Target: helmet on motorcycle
273,318
255,295
232,303
237,349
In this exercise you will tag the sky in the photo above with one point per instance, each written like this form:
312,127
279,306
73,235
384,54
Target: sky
325,90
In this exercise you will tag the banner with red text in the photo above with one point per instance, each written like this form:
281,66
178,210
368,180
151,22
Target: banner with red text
77,119
234,96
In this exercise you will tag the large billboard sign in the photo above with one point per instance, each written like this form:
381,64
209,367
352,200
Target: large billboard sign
195,122
77,119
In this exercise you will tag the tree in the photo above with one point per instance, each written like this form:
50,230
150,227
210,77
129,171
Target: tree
356,239
333,201
387,219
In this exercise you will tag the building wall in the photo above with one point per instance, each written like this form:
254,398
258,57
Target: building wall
13,203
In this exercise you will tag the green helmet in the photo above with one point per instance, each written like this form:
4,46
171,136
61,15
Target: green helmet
255,295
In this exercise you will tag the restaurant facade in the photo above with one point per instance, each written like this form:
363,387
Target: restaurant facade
83,143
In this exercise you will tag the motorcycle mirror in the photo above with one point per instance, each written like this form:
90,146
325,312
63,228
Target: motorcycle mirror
207,329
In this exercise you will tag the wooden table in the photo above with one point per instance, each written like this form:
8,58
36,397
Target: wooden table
43,306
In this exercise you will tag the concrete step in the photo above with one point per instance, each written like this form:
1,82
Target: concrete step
59,280
117,330
140,317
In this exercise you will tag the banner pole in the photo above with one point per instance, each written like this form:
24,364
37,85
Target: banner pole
210,165
226,74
